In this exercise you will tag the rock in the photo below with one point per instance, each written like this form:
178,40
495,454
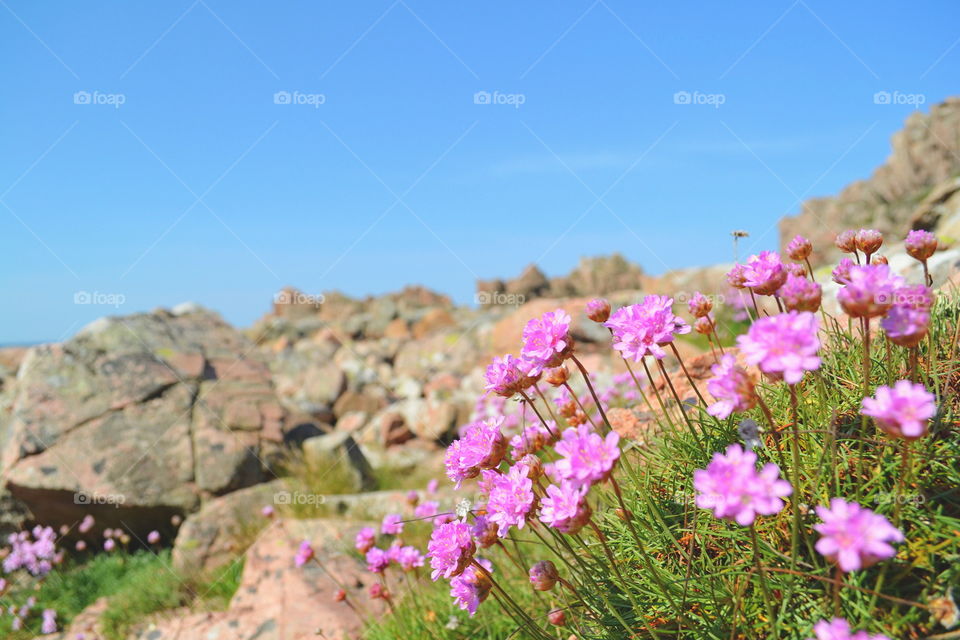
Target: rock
138,418
353,401
507,335
600,276
431,322
339,448
220,530
277,600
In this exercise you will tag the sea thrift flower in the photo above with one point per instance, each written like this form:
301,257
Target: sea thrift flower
839,629
732,387
450,549
510,498
472,587
531,440
699,305
153,537
377,560
764,273
868,241
796,269
409,558
921,245
734,490
267,511
433,485
304,554
481,447
413,497
504,376
80,546
86,524
869,291
841,273
846,241
365,539
339,595
565,507
377,591
799,249
392,524
902,411
426,509
736,277
783,346
557,617
557,376
547,341
598,310
905,326
915,296
586,457
543,575
49,624
703,325
854,537
800,294
642,329
34,551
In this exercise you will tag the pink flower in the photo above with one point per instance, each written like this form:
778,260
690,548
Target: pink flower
800,294
86,524
839,629
799,249
433,485
841,273
906,326
921,244
532,439
915,296
565,507
854,537
49,624
409,558
868,241
783,346
734,490
450,549
585,456
267,511
736,277
902,411
472,587
764,273
303,556
642,329
377,560
547,341
869,291
598,310
481,447
846,241
504,376
510,497
543,575
732,387
392,524
699,305
365,539
153,537
485,532
426,509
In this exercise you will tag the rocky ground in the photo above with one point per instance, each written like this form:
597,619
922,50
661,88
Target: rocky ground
174,416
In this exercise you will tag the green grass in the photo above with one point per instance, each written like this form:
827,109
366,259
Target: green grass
684,574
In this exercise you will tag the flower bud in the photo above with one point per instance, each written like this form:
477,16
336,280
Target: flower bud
378,591
557,617
557,376
796,269
543,575
700,305
598,310
846,241
339,595
879,260
534,466
413,498
868,240
736,278
921,244
703,326
799,249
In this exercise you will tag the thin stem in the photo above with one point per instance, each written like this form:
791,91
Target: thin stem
687,373
763,582
580,404
534,407
586,378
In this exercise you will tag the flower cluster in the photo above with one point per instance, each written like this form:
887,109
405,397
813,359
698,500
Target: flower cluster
853,536
642,329
783,346
34,551
734,490
902,411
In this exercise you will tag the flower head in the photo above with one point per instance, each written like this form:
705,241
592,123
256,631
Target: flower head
304,553
377,560
510,497
49,624
598,310
365,539
472,587
736,277
699,305
732,387
921,244
906,326
507,376
482,446
485,532
914,296
586,457
392,524
734,490
565,507
543,575
868,240
854,537
841,273
409,558
839,629
153,537
869,291
450,549
846,241
800,294
902,411
547,341
764,273
642,329
799,249
783,346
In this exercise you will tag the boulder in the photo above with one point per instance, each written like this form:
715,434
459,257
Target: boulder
340,449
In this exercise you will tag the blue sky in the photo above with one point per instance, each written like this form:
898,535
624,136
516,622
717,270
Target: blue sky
150,155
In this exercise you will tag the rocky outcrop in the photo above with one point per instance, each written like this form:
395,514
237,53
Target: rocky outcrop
926,153
139,418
